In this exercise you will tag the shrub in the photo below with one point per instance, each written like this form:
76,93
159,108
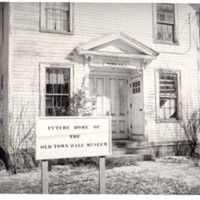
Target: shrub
191,127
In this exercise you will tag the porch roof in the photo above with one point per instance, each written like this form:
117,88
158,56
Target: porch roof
117,45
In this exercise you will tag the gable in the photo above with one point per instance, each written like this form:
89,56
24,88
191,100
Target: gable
117,45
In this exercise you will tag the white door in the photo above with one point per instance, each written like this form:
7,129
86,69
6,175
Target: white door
136,105
111,98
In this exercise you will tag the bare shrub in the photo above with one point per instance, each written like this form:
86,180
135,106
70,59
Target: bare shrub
20,139
80,103
191,126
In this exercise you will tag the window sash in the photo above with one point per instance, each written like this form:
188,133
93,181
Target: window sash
168,108
165,14
168,96
58,5
56,17
57,91
136,87
165,23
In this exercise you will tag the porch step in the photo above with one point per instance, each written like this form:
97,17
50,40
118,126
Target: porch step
127,150
119,151
145,151
123,151
129,144
128,158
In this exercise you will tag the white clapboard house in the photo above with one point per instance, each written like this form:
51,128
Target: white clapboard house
138,61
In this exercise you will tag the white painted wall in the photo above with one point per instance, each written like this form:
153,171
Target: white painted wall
93,20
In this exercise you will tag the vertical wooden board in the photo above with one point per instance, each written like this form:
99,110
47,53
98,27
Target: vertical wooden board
114,131
122,126
112,93
100,95
91,87
44,175
102,175
122,96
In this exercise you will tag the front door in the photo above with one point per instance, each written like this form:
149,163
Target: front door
136,107
111,99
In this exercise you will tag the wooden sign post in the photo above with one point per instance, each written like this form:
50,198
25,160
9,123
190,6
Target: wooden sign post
44,171
102,175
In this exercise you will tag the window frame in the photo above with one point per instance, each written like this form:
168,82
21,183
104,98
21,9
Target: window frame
178,96
136,87
175,35
43,67
43,20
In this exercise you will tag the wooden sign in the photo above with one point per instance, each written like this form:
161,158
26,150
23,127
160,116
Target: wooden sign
71,137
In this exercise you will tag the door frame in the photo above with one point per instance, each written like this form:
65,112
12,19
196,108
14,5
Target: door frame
116,73
143,78
133,78
126,73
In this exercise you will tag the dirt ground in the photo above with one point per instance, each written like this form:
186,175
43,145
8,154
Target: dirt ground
168,175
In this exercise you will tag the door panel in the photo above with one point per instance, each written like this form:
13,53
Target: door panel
122,97
100,96
111,97
137,106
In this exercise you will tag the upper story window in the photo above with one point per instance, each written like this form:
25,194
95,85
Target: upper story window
56,17
165,23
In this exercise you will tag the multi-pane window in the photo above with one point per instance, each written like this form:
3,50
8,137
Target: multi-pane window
165,22
56,17
168,96
136,87
57,91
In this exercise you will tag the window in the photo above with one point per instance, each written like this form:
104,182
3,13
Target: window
136,87
56,17
57,91
168,96
165,23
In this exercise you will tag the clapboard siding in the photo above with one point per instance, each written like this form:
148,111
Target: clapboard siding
91,21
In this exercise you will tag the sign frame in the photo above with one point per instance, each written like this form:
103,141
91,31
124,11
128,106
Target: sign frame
77,119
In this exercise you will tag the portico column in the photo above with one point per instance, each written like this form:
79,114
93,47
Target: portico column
144,101
87,69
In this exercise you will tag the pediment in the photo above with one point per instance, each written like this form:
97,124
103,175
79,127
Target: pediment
117,45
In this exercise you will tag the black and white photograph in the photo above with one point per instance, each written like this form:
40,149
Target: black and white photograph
100,97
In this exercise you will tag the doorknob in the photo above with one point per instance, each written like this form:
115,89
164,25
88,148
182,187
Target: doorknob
107,113
140,109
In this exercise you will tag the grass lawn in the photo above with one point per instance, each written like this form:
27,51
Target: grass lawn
168,175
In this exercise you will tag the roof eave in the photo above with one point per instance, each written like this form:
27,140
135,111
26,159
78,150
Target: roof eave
118,55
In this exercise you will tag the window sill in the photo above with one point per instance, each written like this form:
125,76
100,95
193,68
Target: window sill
57,32
168,121
166,43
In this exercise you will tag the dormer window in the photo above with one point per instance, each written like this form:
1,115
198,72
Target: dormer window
165,23
56,17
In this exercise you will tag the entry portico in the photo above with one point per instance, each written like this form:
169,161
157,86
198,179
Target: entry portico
116,64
